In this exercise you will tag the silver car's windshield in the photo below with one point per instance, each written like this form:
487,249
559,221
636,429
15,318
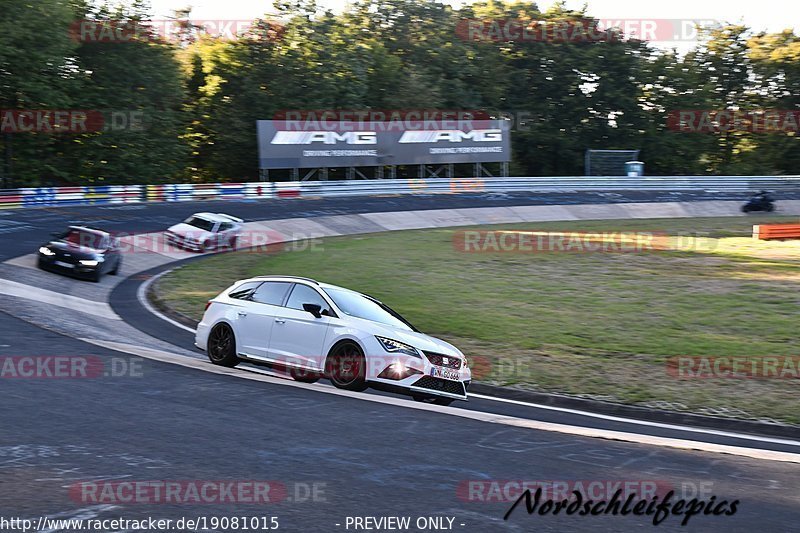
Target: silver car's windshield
360,306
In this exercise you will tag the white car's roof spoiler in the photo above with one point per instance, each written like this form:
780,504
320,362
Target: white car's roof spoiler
234,219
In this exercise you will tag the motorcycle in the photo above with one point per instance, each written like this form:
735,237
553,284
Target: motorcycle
759,202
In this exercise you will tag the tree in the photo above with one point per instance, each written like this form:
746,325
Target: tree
137,86
37,68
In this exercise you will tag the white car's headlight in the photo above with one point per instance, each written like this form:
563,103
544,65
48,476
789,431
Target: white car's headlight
393,346
44,250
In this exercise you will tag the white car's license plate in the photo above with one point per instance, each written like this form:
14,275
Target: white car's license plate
63,264
452,375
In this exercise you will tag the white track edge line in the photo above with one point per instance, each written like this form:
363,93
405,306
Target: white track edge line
141,295
690,429
167,357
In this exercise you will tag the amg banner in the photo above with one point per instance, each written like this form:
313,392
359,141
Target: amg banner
282,144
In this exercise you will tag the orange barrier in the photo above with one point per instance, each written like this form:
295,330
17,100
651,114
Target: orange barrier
766,232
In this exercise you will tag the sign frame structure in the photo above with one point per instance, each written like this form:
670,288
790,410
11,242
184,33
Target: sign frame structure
378,144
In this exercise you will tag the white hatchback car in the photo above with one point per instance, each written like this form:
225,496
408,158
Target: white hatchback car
203,232
313,329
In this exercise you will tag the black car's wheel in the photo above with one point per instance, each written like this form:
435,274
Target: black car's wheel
96,275
346,367
436,400
221,346
770,208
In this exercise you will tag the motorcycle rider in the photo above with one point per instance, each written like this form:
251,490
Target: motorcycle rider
763,198
761,201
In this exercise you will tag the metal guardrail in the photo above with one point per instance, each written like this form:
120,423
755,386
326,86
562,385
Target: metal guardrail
548,184
117,194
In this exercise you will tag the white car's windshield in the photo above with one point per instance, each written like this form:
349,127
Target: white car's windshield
201,223
359,306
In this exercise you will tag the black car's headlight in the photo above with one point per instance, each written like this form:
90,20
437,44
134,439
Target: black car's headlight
44,250
393,346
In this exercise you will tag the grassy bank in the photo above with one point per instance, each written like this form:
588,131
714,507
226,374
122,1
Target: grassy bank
598,324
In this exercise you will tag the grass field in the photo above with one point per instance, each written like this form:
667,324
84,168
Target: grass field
597,324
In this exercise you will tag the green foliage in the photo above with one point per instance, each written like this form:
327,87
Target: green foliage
36,63
43,66
200,97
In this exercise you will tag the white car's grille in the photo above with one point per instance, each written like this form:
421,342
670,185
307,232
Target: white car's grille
447,361
441,385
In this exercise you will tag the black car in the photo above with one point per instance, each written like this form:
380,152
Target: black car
82,252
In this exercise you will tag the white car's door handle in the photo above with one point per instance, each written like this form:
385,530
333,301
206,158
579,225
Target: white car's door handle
280,321
242,313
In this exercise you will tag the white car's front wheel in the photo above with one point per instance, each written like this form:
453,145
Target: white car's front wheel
346,367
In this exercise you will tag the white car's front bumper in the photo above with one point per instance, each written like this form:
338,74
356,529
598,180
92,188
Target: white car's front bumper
427,378
182,242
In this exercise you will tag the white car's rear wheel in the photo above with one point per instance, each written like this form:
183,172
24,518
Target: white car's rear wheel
221,346
346,367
